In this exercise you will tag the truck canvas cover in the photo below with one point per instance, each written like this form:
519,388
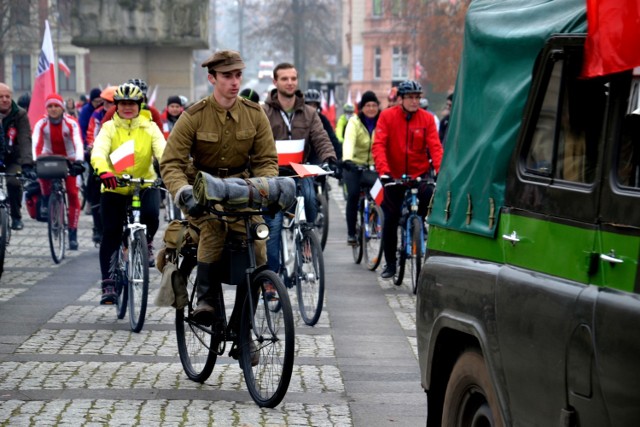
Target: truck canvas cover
501,42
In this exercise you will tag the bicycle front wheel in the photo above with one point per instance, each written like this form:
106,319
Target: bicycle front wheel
322,220
196,344
401,257
415,261
372,238
138,279
4,235
267,341
357,250
120,276
309,277
57,226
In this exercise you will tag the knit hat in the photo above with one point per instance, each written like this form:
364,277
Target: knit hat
368,96
54,98
95,93
174,100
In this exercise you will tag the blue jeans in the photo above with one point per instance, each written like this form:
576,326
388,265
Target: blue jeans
305,186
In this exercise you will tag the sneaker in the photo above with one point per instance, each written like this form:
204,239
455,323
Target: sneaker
73,239
109,296
97,235
152,258
389,271
16,224
352,240
270,293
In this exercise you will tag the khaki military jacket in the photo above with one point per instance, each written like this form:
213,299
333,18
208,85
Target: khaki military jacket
206,137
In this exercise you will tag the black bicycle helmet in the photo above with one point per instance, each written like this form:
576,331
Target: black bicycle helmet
141,84
128,92
312,95
409,86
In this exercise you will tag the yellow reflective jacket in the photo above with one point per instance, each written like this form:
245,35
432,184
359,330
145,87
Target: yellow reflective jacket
148,142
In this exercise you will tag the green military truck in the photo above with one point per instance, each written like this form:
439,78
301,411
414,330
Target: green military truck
528,308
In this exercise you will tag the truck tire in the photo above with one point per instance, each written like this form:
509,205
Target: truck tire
470,399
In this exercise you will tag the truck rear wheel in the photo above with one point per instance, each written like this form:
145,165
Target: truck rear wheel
470,399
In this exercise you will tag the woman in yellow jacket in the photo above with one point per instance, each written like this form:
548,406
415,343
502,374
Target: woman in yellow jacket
129,134
356,154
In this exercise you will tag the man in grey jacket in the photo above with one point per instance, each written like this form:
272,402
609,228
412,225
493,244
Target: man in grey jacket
291,120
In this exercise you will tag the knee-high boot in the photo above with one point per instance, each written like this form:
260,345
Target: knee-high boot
209,293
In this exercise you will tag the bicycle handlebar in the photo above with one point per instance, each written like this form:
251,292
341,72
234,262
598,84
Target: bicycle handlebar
127,180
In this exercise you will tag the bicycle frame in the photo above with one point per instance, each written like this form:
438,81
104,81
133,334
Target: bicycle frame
411,204
290,221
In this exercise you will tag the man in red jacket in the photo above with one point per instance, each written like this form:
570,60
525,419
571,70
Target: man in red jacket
406,143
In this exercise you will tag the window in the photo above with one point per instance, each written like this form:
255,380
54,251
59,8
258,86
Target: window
67,83
21,72
628,165
398,8
564,143
377,63
399,63
377,8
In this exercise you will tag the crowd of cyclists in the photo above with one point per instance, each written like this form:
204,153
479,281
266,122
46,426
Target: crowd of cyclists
227,134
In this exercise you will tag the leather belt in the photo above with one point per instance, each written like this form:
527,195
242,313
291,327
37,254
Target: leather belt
223,172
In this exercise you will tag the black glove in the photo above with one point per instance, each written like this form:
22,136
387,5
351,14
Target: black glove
348,165
77,168
385,178
273,209
28,172
189,204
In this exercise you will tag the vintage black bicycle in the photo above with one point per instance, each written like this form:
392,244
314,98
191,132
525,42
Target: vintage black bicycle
264,343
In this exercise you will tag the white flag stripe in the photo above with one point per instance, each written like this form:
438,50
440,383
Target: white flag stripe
287,146
377,188
122,151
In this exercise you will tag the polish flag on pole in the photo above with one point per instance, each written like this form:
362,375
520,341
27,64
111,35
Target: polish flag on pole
377,192
289,151
123,156
331,110
62,66
45,81
152,99
349,98
358,98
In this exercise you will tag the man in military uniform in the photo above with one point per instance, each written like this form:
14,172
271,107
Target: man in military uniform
225,136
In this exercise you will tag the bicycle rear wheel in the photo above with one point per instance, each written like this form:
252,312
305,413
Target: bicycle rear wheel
196,344
322,220
373,242
138,279
120,276
401,257
4,235
357,250
309,277
57,226
415,263
267,341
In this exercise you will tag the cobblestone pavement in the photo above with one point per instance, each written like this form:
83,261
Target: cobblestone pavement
81,366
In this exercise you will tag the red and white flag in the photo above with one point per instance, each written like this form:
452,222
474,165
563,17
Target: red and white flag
289,151
331,110
62,66
377,192
304,171
358,98
349,98
45,81
613,31
123,157
152,99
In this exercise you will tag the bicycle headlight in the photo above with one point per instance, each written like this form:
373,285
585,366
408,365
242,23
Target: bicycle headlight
260,231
